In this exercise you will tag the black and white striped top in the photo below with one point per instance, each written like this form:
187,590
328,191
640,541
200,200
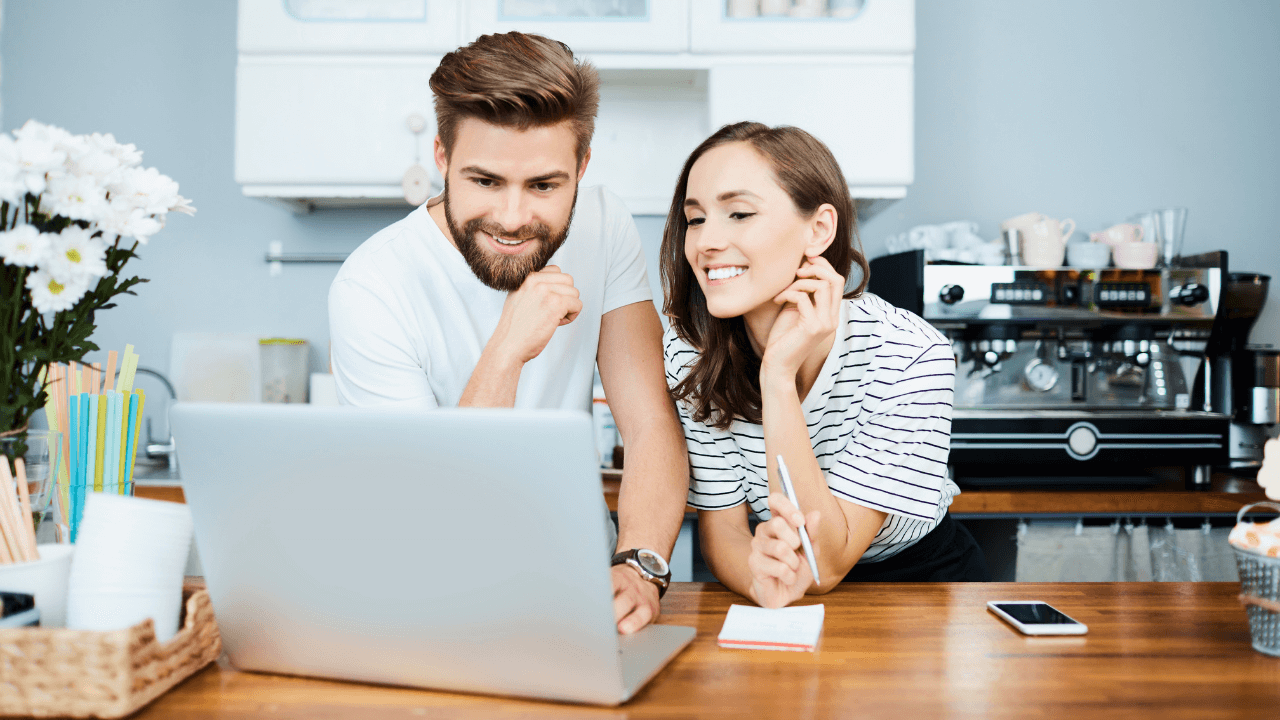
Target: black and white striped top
879,418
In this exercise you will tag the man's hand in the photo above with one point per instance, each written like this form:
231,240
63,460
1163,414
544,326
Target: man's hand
635,600
545,300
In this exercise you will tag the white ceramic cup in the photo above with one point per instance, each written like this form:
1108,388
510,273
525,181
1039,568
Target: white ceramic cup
1135,255
774,8
46,579
1122,233
1088,255
1044,239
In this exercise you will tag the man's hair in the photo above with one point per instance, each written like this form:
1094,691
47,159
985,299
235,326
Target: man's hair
516,80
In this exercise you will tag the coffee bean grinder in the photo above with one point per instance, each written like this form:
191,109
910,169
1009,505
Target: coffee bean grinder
1238,378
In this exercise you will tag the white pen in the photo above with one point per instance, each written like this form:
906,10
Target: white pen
804,535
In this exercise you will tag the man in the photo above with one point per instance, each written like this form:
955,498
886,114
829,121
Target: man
511,286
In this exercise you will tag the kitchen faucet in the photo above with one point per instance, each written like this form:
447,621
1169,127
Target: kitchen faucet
169,448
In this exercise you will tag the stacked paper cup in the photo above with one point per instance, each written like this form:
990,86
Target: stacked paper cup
128,564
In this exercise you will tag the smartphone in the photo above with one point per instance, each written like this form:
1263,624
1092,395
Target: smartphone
1036,618
18,610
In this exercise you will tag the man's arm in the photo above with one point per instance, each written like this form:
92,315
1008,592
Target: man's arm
545,300
655,480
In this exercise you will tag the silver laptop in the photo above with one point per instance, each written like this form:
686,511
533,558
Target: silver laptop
452,549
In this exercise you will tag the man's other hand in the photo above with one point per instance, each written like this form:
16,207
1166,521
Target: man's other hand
546,300
635,600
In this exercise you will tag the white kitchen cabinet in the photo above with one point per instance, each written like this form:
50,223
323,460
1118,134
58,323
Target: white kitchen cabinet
876,26
862,108
348,26
589,25
322,104
337,127
649,122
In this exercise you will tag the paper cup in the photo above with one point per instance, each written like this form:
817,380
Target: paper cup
46,579
129,564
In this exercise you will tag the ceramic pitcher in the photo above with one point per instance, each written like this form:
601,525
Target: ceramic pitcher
1044,239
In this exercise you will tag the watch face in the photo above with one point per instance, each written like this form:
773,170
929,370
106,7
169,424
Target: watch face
652,562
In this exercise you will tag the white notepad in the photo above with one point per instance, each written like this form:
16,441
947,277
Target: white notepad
756,628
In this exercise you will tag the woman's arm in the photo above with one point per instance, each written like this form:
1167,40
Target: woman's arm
726,545
808,323
846,529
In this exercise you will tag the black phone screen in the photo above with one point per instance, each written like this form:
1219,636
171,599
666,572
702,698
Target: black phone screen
1035,614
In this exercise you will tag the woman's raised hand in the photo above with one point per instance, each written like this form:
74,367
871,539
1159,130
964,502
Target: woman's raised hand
810,312
780,574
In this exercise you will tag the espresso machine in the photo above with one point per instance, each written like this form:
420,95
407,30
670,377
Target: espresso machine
1239,379
1070,377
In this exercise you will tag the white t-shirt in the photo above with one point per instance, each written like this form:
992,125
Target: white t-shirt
408,318
879,417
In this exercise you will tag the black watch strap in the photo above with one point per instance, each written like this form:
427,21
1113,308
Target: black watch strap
631,557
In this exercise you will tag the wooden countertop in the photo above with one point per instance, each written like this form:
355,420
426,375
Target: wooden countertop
1226,495
1170,650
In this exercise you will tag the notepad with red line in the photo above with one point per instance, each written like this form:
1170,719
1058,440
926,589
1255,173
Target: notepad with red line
755,628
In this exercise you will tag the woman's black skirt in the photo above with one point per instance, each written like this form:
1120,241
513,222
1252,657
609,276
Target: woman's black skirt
947,554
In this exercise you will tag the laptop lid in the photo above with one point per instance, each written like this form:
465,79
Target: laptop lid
458,549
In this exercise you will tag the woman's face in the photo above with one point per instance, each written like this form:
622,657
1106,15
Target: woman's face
745,237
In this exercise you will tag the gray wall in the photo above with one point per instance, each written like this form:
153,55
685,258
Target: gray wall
1090,109
1098,109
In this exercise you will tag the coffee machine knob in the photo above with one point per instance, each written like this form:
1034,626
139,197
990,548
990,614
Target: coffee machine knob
1142,358
1190,294
991,358
951,294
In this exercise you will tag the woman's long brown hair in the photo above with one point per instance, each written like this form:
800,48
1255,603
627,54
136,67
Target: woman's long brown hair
723,383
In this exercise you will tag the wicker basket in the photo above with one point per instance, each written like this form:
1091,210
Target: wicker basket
1260,591
84,673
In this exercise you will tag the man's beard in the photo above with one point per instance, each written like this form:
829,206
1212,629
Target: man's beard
506,272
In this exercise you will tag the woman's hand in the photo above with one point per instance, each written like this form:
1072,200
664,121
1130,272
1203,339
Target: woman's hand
780,573
810,313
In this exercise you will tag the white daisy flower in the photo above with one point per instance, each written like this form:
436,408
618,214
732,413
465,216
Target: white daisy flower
102,157
75,197
48,294
147,190
24,246
125,220
12,187
74,255
40,149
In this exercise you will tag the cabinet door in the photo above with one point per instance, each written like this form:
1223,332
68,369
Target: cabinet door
590,25
861,108
360,26
336,121
874,26
648,124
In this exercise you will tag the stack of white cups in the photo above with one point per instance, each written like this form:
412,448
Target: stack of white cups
128,564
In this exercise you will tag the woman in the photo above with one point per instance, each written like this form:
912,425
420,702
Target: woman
767,356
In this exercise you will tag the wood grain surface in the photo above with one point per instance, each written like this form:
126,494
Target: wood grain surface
1226,495
1167,650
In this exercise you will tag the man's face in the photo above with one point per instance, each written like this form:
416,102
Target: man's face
509,197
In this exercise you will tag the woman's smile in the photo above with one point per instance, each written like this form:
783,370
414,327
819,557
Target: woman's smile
721,274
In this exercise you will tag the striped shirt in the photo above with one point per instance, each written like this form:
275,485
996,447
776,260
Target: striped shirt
879,417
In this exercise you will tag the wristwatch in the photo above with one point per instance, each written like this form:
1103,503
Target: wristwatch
649,564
